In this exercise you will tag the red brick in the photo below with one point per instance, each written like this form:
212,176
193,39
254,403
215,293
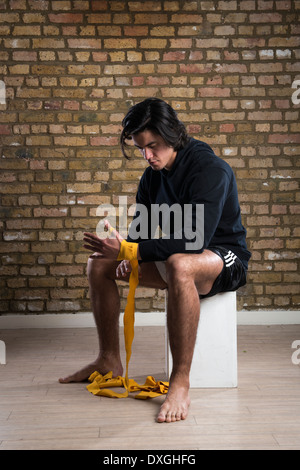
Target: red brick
66,17
284,138
5,129
227,128
25,55
136,30
99,5
181,43
174,56
104,141
54,212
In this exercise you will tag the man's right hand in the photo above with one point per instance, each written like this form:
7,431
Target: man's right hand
123,268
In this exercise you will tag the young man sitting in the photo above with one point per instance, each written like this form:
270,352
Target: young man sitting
183,173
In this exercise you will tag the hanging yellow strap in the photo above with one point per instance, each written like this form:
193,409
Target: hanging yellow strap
101,384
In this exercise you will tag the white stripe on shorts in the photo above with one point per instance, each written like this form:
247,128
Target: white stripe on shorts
229,259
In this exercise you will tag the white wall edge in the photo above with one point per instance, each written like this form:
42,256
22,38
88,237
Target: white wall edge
71,320
86,320
268,317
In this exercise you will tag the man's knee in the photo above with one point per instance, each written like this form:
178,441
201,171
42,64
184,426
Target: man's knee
182,269
177,267
98,267
93,268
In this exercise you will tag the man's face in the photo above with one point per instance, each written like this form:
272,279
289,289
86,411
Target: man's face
155,150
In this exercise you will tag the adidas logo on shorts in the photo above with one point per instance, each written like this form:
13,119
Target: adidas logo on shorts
229,259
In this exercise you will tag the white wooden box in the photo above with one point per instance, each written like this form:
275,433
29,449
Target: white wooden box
215,356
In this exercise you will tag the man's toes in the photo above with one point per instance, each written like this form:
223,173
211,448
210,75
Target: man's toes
62,380
77,377
162,415
161,418
65,380
167,416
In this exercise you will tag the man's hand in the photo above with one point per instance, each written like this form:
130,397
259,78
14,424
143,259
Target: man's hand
108,247
123,268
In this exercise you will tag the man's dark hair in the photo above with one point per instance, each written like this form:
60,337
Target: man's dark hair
157,116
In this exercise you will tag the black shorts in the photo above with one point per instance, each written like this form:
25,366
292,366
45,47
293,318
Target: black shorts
232,276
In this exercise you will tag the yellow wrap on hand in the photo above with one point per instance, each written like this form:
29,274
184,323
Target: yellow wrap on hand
128,251
99,383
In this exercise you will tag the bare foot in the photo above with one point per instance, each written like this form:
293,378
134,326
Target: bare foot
99,365
176,404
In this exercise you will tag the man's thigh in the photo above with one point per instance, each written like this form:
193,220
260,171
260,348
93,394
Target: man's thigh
149,276
202,268
207,267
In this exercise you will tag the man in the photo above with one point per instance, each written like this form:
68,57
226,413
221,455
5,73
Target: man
182,173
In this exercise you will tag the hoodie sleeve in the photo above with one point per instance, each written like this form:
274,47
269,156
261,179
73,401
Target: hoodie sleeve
140,227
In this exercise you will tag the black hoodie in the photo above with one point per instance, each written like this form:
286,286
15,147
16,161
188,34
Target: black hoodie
196,177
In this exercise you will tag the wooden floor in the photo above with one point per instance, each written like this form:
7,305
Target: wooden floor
36,412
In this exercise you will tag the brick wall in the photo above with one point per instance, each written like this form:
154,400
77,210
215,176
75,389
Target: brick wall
72,69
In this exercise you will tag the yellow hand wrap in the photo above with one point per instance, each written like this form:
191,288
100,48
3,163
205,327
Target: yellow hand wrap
128,251
99,383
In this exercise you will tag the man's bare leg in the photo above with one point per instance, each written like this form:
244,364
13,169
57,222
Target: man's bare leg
187,276
105,302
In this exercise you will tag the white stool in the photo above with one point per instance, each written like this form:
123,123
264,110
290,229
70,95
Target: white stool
2,353
215,356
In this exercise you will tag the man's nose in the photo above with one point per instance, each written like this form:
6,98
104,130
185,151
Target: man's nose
147,153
